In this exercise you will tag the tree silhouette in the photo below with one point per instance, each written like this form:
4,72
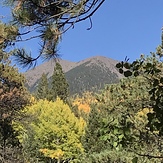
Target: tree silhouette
48,20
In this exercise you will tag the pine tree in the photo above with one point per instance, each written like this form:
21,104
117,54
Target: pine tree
60,87
42,88
49,19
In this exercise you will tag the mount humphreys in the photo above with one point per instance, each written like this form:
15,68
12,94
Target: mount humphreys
90,74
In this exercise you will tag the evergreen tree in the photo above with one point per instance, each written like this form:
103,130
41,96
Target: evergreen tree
91,140
60,87
49,19
42,91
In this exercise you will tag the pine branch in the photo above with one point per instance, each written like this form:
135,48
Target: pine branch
148,155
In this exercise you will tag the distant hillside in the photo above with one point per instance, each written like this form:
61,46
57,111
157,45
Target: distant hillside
92,74
35,74
89,74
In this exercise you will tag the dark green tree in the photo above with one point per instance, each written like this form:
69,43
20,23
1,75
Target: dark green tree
42,91
91,140
59,85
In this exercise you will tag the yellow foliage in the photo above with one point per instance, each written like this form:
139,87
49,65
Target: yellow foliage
57,154
83,103
84,107
56,131
33,100
144,112
18,127
142,115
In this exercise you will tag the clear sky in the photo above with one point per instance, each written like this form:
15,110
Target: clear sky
120,28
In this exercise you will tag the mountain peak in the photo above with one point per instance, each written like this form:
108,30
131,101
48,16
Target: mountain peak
101,62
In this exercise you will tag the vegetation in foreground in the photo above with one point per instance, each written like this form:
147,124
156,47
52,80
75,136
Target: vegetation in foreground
115,125
123,123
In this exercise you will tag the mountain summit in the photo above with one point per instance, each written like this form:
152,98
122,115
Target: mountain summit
86,75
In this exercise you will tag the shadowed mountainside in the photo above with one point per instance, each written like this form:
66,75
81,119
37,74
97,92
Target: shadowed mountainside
90,74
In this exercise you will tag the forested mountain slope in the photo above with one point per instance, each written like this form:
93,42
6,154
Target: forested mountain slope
89,74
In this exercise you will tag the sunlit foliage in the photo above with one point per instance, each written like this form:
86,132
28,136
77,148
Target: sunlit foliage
151,67
83,102
117,125
51,132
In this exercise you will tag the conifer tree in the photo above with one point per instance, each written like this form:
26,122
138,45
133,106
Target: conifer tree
60,87
91,140
42,88
49,19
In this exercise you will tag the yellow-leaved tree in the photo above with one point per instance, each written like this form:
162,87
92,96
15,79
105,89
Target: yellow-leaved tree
84,102
50,132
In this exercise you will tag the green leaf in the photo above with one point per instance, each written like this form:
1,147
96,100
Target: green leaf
120,136
115,144
127,131
121,71
127,65
127,73
106,137
116,131
135,160
119,65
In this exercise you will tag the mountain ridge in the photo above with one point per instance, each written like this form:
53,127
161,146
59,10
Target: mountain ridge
82,72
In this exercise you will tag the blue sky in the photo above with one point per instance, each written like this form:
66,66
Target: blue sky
120,28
